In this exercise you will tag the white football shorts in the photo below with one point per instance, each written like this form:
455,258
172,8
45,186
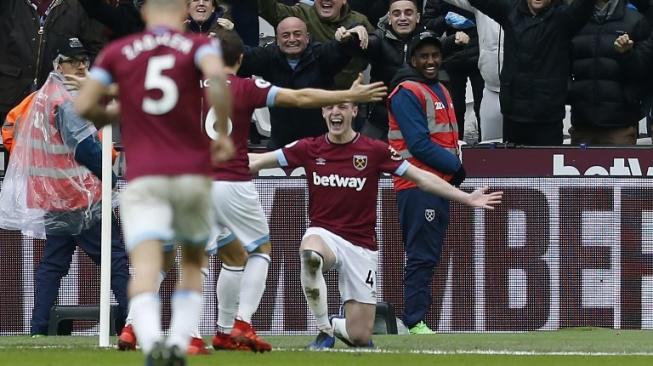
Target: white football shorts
167,208
239,215
356,267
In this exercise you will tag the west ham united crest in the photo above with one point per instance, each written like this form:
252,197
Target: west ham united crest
429,214
360,162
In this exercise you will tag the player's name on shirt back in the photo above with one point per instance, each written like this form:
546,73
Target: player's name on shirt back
148,42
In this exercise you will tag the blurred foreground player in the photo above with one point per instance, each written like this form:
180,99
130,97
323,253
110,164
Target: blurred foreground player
343,169
167,196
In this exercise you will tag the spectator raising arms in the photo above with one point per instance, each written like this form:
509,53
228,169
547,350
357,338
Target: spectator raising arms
322,20
295,62
385,50
536,66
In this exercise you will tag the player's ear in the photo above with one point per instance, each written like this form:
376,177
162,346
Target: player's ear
354,110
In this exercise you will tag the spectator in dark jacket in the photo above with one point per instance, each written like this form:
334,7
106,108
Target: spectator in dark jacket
645,7
244,14
121,17
374,10
29,33
605,94
460,65
295,62
206,16
536,66
386,53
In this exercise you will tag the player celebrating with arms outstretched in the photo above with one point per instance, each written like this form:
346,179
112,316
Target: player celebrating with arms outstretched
342,170
240,217
169,173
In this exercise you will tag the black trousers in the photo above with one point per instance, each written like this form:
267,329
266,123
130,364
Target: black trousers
458,87
534,134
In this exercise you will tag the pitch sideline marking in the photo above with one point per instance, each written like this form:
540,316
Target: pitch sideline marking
385,351
471,352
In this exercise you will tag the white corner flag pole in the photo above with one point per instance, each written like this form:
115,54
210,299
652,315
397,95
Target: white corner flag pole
105,257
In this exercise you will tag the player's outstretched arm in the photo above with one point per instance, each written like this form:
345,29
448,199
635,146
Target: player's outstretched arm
431,183
87,103
314,98
266,160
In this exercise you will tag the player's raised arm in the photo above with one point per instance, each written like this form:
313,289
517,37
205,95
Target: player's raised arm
266,160
211,65
87,103
431,183
313,98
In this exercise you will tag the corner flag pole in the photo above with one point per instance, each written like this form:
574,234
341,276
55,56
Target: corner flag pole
105,253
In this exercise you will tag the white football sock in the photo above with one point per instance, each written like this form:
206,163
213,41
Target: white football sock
146,310
195,333
227,290
130,316
315,290
186,310
340,328
252,285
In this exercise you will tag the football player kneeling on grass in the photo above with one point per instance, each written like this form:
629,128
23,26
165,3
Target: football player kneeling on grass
342,170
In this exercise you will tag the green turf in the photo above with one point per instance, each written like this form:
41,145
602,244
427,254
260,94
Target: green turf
438,349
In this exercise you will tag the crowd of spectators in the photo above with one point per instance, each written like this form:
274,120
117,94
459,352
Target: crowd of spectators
524,59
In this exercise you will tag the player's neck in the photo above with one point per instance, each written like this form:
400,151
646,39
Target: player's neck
166,21
343,138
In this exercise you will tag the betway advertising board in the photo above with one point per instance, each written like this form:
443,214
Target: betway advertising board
570,246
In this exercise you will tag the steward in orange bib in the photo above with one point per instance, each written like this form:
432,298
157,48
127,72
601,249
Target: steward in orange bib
52,186
424,131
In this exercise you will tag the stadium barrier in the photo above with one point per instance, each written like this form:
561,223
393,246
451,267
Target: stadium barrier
571,246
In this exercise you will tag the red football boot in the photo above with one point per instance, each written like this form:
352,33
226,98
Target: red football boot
197,347
243,333
224,342
127,339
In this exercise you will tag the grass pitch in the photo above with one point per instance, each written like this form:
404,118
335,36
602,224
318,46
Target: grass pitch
566,347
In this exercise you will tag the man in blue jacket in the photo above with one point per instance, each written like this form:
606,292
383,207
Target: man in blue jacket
424,131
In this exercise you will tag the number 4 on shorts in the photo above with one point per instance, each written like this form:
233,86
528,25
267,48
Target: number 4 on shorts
371,275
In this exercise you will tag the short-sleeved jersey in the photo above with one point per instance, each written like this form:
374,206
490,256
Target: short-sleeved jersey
246,95
160,100
343,181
